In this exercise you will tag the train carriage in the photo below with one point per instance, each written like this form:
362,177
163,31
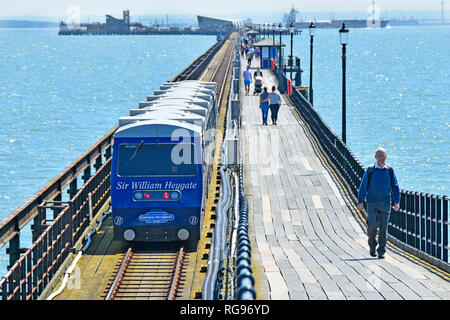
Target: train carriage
162,165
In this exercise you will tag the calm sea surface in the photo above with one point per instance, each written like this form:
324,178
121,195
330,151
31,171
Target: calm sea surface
59,95
398,97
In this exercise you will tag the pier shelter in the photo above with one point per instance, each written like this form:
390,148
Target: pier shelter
269,49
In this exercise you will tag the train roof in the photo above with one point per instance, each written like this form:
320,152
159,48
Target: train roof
181,95
156,129
170,114
152,108
189,84
186,90
184,104
182,101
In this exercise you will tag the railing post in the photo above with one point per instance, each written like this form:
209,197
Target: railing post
86,174
422,222
108,152
428,223
433,225
56,210
417,219
14,245
72,188
37,225
98,162
439,228
446,228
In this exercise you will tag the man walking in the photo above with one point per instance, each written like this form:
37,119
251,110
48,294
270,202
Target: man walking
377,185
247,79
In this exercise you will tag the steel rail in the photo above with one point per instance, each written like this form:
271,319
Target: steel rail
115,285
176,278
142,275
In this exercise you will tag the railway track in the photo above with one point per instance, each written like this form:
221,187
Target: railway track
148,275
161,274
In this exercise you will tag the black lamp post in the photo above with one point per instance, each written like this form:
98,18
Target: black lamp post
312,28
280,62
273,33
291,62
343,34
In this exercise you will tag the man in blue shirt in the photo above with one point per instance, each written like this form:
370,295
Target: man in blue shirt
377,184
247,79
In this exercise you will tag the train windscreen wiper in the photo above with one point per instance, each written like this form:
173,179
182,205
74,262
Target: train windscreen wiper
134,154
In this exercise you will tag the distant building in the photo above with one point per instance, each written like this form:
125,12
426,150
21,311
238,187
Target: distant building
114,25
293,17
214,25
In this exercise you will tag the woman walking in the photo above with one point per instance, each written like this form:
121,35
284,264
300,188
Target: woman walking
274,105
264,105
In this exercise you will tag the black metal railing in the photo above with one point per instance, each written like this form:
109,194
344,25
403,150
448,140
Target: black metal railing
422,221
30,274
14,223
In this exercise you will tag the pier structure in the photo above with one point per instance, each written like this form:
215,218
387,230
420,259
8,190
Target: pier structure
309,239
280,221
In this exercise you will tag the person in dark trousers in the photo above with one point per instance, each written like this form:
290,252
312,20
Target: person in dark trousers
250,54
264,105
257,73
247,79
274,105
377,186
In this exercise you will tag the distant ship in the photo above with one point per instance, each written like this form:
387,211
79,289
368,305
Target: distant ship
294,17
404,22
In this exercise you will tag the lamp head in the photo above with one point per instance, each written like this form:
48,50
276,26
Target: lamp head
343,34
312,29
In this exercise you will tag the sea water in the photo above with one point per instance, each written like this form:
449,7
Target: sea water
61,94
398,97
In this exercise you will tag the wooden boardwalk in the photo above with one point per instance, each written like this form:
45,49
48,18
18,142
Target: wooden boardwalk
307,244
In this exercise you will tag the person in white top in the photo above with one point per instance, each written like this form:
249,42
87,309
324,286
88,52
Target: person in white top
274,105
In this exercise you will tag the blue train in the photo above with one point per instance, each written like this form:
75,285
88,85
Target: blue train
162,163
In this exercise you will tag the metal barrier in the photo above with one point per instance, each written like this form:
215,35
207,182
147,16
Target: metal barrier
12,225
422,221
243,276
29,275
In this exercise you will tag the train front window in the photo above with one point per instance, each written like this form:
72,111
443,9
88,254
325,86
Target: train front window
162,159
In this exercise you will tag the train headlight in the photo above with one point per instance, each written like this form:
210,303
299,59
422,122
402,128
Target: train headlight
129,235
183,234
174,195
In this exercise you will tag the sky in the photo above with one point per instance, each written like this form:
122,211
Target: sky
64,8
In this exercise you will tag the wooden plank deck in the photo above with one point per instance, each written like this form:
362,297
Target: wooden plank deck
307,243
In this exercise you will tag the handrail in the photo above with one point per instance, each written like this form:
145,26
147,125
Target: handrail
422,221
15,221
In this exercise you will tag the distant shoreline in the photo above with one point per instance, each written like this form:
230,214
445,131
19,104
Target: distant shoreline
8,24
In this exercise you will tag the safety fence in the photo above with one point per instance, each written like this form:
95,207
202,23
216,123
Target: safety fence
422,221
29,275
